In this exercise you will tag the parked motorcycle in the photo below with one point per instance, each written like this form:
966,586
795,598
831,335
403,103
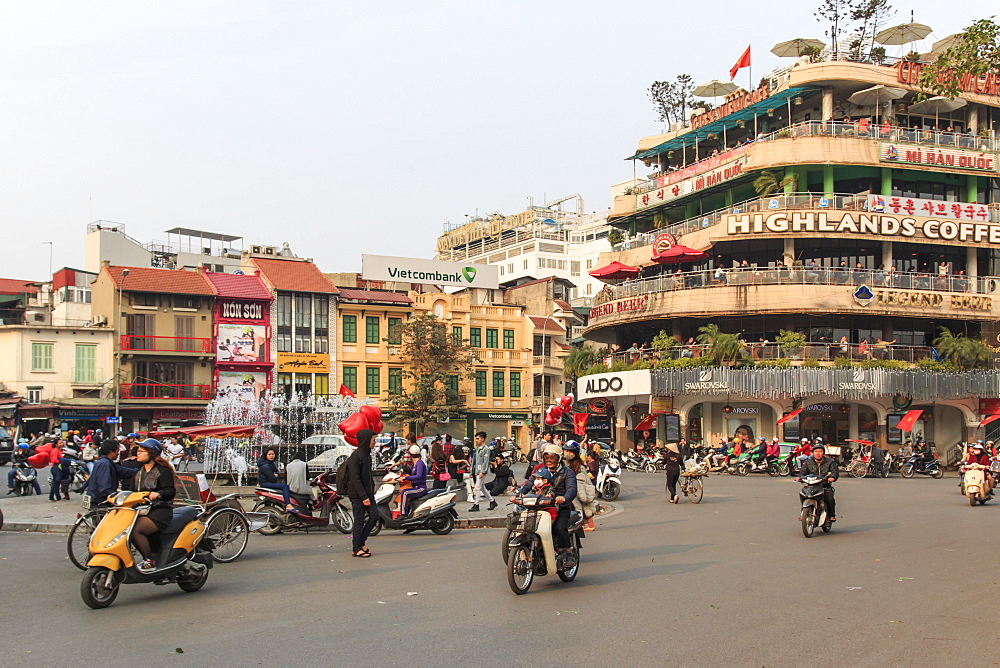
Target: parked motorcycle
915,466
25,476
633,461
814,512
608,483
788,464
182,556
733,465
975,486
328,504
530,550
435,510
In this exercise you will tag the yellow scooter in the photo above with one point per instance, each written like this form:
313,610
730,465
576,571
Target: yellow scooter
179,556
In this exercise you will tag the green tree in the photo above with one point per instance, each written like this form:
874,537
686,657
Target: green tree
672,99
664,341
577,361
976,54
767,183
964,352
431,357
721,347
836,13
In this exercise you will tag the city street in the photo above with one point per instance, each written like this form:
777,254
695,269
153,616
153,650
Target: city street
731,581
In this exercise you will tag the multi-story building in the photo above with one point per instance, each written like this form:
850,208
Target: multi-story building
164,322
183,248
497,395
302,321
539,242
830,202
368,362
242,335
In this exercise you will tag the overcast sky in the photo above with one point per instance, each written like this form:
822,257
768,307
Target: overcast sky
344,128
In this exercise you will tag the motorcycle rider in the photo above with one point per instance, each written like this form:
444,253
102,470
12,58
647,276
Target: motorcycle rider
773,451
923,449
824,467
976,454
103,480
417,479
804,452
564,487
21,454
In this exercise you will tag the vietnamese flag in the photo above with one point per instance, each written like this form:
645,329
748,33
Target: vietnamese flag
909,420
345,391
989,419
580,423
789,416
744,61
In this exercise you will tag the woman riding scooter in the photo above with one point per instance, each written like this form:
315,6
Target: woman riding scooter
417,478
155,476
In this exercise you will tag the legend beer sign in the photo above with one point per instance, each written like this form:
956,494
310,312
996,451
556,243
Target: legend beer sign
619,306
907,154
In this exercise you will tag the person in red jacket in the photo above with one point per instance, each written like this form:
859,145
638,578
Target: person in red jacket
773,450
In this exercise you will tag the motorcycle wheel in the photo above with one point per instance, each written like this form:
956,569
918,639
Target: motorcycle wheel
377,529
78,543
442,524
742,468
195,583
95,589
520,571
611,490
907,471
274,519
79,484
569,574
783,469
505,546
827,526
695,490
808,522
229,531
343,520
937,474
773,470
972,500
649,467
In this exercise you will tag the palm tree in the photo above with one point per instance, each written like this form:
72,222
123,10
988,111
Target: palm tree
966,353
722,347
767,183
578,360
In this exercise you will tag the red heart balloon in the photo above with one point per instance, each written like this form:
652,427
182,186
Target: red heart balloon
350,427
45,447
551,421
373,414
377,427
556,410
566,402
39,460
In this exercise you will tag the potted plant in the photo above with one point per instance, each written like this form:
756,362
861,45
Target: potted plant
791,343
912,56
615,237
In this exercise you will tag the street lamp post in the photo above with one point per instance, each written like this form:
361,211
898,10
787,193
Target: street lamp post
118,357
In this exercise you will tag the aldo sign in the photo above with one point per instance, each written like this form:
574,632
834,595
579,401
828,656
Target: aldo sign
614,384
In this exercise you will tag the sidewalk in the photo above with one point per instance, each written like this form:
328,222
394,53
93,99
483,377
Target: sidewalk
37,513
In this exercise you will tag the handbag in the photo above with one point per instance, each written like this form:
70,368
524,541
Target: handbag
444,476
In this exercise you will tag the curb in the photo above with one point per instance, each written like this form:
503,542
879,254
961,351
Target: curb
37,528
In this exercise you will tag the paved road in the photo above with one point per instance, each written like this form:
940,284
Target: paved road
728,582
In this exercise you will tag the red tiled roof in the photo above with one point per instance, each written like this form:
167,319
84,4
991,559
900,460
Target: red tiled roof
563,305
546,323
382,296
238,286
15,286
169,281
294,276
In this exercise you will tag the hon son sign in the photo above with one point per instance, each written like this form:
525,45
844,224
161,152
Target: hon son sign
413,270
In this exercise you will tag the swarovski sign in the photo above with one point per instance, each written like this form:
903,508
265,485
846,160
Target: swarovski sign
434,272
620,384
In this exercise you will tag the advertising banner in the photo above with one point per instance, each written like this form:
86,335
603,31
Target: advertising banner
413,270
692,184
241,343
928,207
247,385
939,157
303,363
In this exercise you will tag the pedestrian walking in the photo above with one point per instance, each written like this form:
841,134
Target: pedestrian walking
480,467
362,493
672,464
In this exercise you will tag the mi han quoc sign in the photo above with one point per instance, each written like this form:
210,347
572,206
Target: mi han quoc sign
907,154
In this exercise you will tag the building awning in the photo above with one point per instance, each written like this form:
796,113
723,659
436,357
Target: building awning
748,113
615,270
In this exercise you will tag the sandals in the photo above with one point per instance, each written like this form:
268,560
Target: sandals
361,554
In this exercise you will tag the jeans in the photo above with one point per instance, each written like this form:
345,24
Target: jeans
672,477
800,459
278,486
480,492
365,518
10,481
831,502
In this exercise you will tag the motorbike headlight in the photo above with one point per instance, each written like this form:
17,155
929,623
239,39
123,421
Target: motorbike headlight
117,539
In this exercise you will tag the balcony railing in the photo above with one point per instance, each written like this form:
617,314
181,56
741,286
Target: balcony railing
784,275
84,375
165,391
823,351
165,344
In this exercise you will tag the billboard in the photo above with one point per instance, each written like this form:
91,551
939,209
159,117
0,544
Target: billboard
413,270
241,343
247,385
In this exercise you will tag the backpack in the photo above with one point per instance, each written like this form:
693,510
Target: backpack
343,482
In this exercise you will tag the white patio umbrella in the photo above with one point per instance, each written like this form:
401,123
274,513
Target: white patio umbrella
937,104
875,95
715,88
946,43
796,47
904,33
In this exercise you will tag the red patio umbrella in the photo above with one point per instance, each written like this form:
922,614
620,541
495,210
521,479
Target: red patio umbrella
615,270
680,254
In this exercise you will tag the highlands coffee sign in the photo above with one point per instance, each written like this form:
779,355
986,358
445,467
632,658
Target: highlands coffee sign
847,222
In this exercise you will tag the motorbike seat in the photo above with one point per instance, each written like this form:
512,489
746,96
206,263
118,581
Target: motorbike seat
182,516
431,493
304,499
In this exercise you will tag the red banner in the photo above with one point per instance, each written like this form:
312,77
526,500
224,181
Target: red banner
788,417
345,391
580,423
909,420
744,61
991,418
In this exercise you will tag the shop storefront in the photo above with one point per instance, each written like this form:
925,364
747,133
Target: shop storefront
506,425
626,402
242,344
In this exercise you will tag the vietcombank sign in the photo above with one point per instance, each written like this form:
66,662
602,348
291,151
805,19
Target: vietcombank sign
412,270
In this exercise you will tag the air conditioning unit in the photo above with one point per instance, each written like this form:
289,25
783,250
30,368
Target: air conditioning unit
100,320
255,249
270,250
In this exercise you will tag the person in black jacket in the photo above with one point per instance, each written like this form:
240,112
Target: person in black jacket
824,467
156,477
503,476
267,476
361,492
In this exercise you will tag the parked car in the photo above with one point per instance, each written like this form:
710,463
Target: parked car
334,451
6,446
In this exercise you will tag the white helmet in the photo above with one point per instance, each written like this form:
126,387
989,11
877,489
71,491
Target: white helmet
414,450
552,449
